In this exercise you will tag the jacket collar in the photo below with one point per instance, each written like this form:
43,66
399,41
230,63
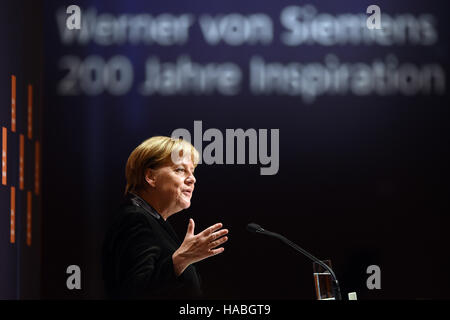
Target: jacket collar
138,201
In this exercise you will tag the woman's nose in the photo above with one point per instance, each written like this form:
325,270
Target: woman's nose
191,179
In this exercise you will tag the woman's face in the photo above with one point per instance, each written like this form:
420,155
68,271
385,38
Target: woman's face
174,185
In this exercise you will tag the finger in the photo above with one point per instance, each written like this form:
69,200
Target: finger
216,251
211,229
217,235
191,227
218,242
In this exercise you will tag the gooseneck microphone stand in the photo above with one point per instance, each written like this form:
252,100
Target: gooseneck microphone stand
253,227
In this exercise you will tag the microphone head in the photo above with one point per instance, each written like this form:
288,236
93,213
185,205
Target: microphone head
253,227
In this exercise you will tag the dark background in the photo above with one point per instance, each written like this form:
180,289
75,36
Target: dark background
21,55
363,180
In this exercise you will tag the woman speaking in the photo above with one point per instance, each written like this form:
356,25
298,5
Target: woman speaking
142,255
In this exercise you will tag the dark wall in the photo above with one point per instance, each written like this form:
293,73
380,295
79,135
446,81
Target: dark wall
20,192
363,178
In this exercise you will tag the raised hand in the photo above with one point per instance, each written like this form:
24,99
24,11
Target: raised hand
196,247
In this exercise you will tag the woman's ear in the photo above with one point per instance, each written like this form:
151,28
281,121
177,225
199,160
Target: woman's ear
150,177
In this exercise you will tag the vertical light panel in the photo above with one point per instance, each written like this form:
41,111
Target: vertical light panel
37,164
30,111
13,215
21,161
13,103
29,208
4,152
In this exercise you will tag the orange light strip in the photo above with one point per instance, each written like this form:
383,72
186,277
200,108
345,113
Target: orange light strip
30,111
29,206
13,103
4,151
13,215
21,161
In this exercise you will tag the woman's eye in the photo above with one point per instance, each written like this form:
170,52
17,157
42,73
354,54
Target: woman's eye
180,170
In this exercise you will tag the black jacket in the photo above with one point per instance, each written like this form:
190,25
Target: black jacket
137,256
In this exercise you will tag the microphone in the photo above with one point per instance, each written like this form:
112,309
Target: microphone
256,228
253,227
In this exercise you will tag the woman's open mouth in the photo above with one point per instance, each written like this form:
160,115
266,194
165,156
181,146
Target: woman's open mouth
187,193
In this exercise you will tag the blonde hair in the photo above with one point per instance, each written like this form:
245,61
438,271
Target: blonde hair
153,153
